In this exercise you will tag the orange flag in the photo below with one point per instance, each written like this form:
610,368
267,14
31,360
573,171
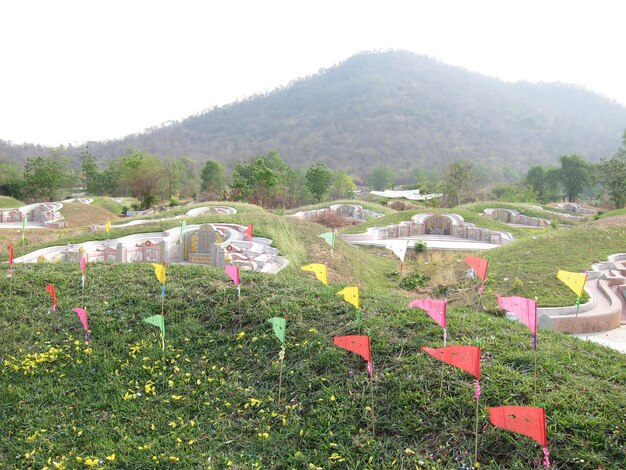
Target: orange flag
463,357
356,344
51,291
249,230
479,265
527,420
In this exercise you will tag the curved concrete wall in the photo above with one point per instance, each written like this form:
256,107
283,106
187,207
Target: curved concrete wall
605,309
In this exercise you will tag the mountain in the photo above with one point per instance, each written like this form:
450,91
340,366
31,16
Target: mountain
401,109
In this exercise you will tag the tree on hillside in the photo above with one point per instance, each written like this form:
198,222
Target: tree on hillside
267,181
318,178
213,178
11,180
381,178
45,176
575,176
613,174
459,182
142,173
90,173
341,185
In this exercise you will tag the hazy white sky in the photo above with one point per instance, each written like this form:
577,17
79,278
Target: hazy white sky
77,70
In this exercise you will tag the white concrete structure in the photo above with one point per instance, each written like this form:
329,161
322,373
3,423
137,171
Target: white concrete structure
39,215
411,194
606,309
212,244
348,211
223,210
437,230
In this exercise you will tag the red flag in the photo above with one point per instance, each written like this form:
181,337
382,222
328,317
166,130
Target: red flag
249,231
436,309
359,345
10,253
479,265
527,420
523,308
50,289
463,357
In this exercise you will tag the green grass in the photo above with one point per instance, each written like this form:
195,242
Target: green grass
211,398
108,203
7,202
613,213
528,268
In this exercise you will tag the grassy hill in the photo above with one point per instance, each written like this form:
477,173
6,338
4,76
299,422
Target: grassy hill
7,202
210,399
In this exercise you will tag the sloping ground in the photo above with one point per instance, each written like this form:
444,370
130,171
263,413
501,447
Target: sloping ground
614,221
7,202
210,399
84,215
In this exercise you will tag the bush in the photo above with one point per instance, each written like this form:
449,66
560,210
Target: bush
414,281
420,247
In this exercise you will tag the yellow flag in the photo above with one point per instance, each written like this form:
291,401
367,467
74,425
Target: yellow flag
350,295
320,271
575,281
159,272
107,226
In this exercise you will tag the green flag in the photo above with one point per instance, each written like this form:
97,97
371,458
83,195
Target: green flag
157,320
329,237
279,325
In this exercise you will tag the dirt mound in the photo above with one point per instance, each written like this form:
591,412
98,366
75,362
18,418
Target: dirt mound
84,215
617,221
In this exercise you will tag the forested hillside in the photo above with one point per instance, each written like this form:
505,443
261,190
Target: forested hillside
405,110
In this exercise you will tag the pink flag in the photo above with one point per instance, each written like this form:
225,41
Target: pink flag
83,265
463,357
50,289
479,265
82,316
523,308
233,273
356,344
436,309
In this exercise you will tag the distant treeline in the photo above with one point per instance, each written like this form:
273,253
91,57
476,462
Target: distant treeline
405,111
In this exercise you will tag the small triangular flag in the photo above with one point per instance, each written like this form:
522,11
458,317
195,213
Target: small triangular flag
157,320
82,316
279,325
159,271
233,273
329,237
575,281
320,271
350,295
